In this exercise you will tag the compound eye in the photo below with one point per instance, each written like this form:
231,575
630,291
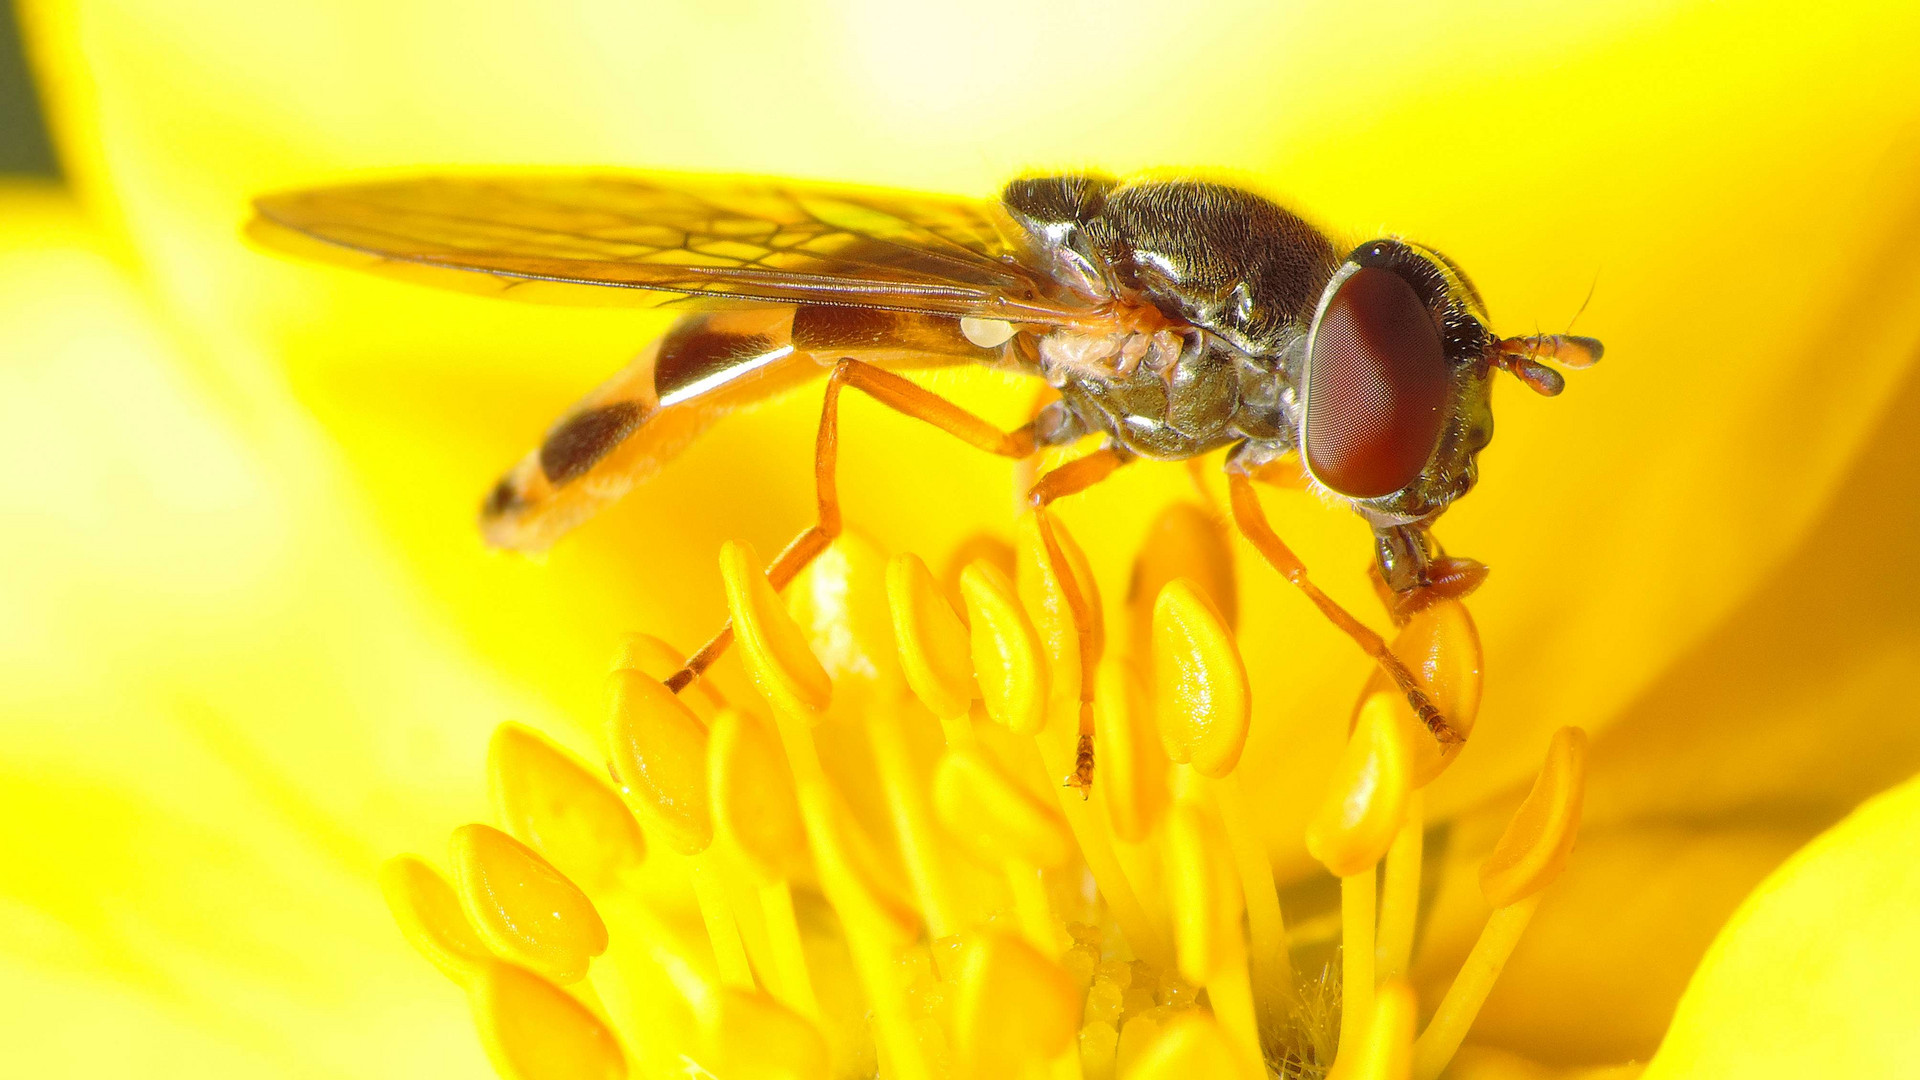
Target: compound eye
1376,386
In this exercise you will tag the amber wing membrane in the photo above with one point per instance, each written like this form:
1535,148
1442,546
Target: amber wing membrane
645,240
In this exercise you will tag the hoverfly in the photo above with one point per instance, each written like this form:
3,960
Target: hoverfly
1171,318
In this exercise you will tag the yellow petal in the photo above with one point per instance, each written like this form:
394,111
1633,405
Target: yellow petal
1585,954
934,649
1192,1045
994,816
551,802
430,916
1367,797
533,1031
1815,971
1007,660
754,805
659,754
1013,1007
1534,849
1133,765
774,647
1204,890
524,908
757,1038
1199,683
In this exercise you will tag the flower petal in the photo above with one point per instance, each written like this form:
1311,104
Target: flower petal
1815,971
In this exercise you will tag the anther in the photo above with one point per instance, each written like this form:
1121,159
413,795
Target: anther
1529,855
658,750
560,808
1440,647
522,907
754,804
431,918
652,656
1368,795
1007,662
1534,849
532,1030
777,656
1193,1045
1133,765
758,1038
1200,689
1186,540
1014,1007
840,605
935,651
994,816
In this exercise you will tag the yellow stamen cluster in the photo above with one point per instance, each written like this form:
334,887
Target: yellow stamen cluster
868,865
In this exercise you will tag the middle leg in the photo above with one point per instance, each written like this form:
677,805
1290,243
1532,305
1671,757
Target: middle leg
902,396
1071,478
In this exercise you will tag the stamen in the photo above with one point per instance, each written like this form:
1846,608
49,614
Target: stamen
1204,709
1534,849
756,1036
560,808
430,916
1440,646
1193,1045
1186,541
756,815
1367,795
1000,822
1387,1052
1400,891
1353,829
533,1030
1199,683
1014,1007
877,921
658,750
934,646
1133,765
1529,855
522,907
782,667
1207,906
1011,671
654,657
1007,661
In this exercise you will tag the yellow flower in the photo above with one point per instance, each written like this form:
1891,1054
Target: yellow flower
258,649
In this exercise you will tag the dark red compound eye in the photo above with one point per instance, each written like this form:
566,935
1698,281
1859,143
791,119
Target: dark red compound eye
1376,386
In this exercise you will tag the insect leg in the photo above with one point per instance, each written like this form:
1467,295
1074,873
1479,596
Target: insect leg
1252,522
898,394
1076,476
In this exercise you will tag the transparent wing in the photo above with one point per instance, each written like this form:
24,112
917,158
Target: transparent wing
651,240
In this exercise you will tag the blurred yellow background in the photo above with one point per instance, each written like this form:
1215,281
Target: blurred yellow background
253,643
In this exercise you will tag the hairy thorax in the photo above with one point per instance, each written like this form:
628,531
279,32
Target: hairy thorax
1167,392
